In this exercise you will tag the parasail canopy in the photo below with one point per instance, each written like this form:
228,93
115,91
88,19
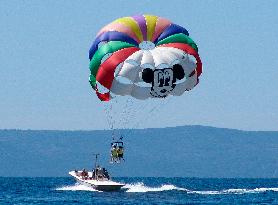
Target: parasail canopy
143,56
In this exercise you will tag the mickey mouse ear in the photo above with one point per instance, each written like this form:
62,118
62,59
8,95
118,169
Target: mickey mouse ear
178,71
147,75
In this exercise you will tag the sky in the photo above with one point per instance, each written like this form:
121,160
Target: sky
44,64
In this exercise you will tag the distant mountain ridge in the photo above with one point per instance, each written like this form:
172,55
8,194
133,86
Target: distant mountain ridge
184,151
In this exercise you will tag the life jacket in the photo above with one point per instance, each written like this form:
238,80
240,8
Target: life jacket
120,151
114,152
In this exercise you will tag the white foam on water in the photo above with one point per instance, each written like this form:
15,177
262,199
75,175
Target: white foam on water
76,187
235,191
140,187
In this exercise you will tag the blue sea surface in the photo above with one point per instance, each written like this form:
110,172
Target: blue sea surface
140,191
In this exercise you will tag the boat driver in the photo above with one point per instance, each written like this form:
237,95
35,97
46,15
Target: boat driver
84,174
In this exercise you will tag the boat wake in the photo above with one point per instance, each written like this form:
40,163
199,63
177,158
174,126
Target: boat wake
235,191
76,187
141,188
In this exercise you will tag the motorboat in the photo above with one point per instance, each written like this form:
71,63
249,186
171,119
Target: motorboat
98,184
98,179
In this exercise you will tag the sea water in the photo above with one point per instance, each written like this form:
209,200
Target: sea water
140,191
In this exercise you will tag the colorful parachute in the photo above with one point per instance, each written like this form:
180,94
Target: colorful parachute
143,56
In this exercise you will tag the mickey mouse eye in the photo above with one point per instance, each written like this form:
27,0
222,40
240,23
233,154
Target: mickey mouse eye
178,71
147,75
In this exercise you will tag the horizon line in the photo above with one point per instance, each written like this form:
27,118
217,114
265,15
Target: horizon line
89,130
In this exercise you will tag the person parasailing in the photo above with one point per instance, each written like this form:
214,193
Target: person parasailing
120,152
117,151
114,153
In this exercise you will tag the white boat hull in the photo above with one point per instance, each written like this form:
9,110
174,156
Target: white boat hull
100,185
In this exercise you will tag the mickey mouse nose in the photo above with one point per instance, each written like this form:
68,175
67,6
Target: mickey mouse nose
163,91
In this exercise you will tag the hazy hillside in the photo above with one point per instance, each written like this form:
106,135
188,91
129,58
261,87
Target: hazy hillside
189,151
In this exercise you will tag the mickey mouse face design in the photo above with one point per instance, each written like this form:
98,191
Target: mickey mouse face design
162,80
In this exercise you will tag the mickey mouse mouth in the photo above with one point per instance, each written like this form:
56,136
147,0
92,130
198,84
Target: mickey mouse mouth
161,93
158,95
